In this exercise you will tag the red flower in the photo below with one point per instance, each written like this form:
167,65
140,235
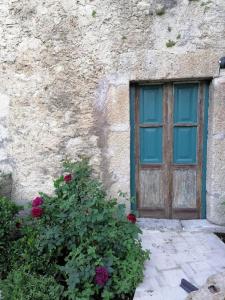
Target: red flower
36,212
101,276
37,201
68,178
132,218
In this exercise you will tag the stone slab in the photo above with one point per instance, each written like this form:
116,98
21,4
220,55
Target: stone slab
159,224
179,225
201,225
176,255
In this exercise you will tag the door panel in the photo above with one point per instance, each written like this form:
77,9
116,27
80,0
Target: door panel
185,189
168,137
187,150
151,145
151,189
185,142
149,149
151,104
185,103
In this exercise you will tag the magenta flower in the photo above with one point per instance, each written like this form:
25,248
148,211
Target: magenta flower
37,212
37,202
68,178
101,276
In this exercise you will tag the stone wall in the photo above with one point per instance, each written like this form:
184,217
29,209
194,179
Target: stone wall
216,153
65,72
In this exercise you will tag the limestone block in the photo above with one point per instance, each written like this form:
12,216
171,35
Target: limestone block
119,163
216,154
117,104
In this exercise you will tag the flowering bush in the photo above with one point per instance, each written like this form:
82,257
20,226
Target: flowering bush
21,285
8,225
81,239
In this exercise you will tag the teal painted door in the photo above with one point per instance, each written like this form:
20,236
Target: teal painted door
168,124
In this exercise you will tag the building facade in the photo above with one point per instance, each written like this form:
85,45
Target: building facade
83,77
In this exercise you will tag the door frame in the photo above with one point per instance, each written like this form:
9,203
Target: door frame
134,146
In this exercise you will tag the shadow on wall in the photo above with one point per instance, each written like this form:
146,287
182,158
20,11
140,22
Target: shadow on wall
6,185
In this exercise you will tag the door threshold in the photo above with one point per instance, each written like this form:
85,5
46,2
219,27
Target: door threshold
179,225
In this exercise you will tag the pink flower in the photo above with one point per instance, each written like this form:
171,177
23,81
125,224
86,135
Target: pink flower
37,202
68,178
36,212
132,218
101,276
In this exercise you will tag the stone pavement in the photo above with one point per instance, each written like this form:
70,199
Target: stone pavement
192,252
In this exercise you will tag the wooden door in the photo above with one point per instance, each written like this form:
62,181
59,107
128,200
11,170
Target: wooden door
167,148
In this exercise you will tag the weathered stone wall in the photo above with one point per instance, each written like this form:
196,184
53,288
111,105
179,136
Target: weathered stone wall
65,72
216,153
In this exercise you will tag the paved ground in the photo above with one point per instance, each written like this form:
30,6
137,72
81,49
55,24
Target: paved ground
193,253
